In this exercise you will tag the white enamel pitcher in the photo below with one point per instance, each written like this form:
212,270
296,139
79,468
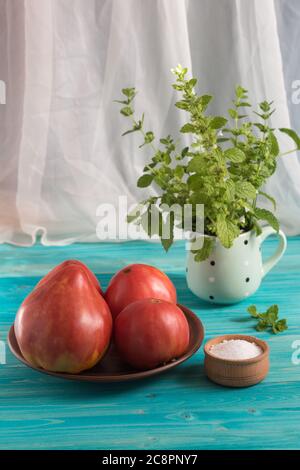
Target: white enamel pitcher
230,275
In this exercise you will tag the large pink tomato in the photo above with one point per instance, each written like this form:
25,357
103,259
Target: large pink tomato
150,332
64,325
136,282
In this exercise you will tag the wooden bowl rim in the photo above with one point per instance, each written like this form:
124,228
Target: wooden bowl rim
218,339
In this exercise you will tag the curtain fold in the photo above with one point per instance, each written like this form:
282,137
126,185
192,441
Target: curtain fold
65,61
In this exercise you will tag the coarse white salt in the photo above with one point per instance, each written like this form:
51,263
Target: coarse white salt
235,349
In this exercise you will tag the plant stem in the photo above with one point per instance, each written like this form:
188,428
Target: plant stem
143,133
288,152
152,170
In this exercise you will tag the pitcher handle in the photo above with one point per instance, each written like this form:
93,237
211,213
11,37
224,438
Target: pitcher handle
270,263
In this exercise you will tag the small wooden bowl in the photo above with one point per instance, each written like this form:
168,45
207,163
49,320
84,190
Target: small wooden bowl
236,373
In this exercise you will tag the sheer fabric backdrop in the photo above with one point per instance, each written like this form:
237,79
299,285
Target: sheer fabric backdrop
65,61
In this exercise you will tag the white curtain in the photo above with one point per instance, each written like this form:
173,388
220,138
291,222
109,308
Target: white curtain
65,61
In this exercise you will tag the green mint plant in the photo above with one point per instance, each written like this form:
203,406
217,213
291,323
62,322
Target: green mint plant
224,167
268,319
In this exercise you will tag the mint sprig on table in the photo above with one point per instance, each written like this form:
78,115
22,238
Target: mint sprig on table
224,167
268,319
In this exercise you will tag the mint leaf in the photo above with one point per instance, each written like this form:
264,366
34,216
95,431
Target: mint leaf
244,104
235,155
264,214
148,138
145,181
187,128
184,152
179,171
245,190
182,105
204,252
240,92
126,111
192,82
262,325
195,182
165,141
217,122
230,190
253,311
292,134
257,228
226,231
269,319
150,165
260,126
129,92
274,147
197,164
204,101
272,312
233,113
167,242
279,326
265,106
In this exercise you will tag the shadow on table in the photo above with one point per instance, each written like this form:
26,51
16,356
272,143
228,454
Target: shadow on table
189,376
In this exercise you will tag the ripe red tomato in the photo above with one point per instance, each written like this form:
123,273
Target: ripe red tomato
135,282
150,332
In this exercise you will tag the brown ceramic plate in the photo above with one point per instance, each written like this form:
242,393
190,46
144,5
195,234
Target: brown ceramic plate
112,368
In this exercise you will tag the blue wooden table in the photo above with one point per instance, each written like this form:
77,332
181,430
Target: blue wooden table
180,409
